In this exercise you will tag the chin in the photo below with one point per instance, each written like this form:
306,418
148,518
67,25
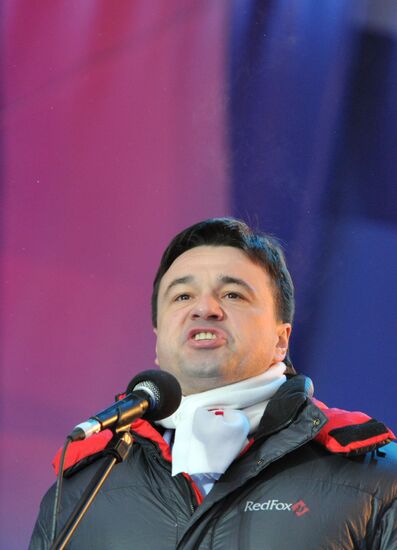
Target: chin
200,380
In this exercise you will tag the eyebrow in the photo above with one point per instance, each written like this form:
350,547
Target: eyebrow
227,280
179,281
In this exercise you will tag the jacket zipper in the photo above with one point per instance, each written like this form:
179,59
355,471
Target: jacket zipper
187,492
182,483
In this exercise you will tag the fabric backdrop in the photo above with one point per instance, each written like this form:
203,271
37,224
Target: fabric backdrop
313,135
113,140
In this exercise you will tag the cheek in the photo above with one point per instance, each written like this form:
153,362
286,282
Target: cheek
162,350
253,324
171,321
167,337
261,332
166,328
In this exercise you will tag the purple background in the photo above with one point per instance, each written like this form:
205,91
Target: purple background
113,140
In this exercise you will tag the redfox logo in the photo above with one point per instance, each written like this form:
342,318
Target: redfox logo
299,508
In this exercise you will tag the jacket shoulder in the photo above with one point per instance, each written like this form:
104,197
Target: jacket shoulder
82,453
351,432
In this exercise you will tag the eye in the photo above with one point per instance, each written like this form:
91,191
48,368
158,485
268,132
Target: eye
233,296
182,297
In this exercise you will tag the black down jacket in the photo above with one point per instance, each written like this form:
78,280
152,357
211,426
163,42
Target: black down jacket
287,491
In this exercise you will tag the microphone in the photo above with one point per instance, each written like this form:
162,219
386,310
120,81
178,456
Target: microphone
154,394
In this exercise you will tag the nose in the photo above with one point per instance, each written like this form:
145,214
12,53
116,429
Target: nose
207,307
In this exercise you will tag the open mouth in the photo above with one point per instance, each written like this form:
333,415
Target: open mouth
206,337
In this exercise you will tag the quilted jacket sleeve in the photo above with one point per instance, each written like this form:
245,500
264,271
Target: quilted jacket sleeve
386,536
40,538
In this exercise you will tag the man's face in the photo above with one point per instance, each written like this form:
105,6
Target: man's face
216,321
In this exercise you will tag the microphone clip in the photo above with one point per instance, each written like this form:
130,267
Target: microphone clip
120,445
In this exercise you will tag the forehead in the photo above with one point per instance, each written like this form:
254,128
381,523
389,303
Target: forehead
216,261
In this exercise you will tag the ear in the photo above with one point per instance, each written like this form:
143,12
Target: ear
283,332
156,361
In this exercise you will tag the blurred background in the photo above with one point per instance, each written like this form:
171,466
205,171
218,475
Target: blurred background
122,123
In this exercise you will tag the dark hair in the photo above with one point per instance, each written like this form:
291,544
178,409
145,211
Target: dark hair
260,248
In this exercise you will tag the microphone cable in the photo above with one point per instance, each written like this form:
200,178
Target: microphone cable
58,491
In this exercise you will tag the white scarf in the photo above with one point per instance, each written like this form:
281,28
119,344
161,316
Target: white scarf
211,427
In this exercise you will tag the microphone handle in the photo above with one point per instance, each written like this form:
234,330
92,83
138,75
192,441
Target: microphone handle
116,417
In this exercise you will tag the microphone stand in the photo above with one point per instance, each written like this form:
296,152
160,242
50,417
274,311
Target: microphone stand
118,453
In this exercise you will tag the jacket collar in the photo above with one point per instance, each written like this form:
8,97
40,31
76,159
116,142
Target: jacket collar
285,405
343,432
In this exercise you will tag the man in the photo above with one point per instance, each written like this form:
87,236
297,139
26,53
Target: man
250,459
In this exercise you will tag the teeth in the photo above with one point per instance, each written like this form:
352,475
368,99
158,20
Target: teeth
204,336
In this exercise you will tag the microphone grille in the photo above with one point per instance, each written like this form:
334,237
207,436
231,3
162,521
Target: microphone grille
148,387
164,390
